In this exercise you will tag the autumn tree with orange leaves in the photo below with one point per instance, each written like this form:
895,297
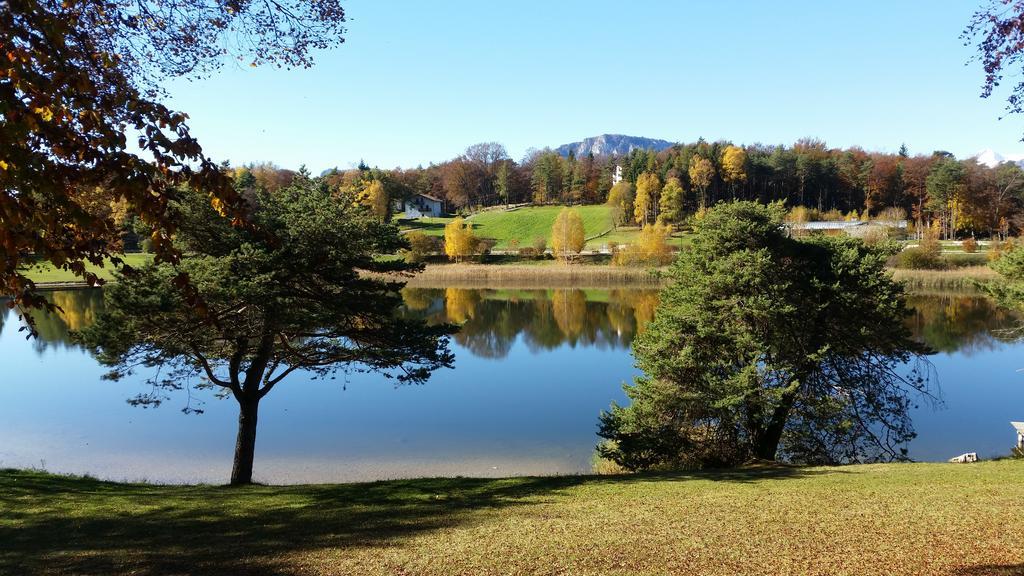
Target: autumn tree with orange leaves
79,80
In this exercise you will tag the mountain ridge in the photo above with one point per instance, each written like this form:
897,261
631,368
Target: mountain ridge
612,144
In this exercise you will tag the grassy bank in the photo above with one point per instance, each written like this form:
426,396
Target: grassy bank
876,519
47,273
522,224
529,223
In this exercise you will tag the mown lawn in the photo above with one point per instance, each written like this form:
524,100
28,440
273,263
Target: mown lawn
628,235
45,272
522,224
874,519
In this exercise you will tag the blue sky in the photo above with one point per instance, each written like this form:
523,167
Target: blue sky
417,82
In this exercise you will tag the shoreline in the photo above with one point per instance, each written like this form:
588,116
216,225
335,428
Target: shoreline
472,275
535,276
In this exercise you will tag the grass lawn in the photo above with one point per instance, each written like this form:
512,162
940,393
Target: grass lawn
523,224
45,272
629,235
874,519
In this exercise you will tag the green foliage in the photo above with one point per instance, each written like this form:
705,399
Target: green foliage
530,222
671,203
766,346
288,295
1009,289
920,258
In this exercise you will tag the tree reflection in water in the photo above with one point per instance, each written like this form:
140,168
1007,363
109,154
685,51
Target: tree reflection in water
493,319
958,323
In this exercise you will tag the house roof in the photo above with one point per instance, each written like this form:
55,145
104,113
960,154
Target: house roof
429,197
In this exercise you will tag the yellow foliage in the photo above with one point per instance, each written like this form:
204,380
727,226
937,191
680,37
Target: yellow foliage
376,198
569,307
701,172
801,214
648,186
567,235
460,304
459,240
651,247
734,161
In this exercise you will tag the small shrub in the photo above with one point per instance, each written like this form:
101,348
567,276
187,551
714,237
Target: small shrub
527,252
892,214
421,246
802,214
920,258
146,245
651,247
998,249
875,235
833,215
970,245
540,244
483,246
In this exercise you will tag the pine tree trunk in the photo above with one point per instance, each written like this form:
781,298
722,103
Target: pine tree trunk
245,444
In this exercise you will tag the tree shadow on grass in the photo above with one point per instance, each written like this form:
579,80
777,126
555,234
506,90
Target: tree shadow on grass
422,226
61,525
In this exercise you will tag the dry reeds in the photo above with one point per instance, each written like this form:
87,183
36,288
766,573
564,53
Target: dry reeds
955,279
534,276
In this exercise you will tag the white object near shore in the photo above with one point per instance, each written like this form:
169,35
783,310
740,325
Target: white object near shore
965,458
1020,433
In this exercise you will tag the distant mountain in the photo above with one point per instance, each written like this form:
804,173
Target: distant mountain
991,158
608,144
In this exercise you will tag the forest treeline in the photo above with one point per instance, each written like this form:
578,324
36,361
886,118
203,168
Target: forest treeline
957,198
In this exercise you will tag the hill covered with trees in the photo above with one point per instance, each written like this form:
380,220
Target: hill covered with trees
957,198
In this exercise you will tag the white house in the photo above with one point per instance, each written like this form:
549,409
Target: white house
419,206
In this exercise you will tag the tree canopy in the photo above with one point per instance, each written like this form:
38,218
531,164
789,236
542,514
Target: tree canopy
293,296
567,235
997,29
765,346
80,78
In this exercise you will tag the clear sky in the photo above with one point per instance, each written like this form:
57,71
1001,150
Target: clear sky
416,82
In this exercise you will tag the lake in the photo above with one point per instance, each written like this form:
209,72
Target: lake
533,370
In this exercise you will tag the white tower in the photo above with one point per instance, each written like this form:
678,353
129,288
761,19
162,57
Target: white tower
617,175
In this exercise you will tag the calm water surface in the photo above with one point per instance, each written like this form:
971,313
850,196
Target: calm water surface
533,371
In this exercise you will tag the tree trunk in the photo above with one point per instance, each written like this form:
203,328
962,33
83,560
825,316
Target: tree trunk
245,444
766,444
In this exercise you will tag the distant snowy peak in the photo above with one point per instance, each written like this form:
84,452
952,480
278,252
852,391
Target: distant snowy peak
991,158
608,144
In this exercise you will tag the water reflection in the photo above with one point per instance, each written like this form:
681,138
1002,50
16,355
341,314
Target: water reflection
79,309
492,320
534,368
964,324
